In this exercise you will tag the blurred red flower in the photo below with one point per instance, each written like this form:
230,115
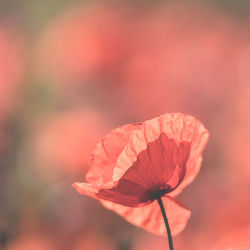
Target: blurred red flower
137,163
237,239
85,42
195,52
148,242
11,72
11,65
31,242
93,241
65,141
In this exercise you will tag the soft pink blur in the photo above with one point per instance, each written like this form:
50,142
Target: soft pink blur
184,61
85,43
94,67
93,241
237,239
31,242
11,65
64,141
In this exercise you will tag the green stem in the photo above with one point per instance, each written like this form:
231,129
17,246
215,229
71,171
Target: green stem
170,241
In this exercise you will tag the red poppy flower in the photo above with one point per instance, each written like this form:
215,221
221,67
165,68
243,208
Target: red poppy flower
137,163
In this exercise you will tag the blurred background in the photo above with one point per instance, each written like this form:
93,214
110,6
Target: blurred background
70,71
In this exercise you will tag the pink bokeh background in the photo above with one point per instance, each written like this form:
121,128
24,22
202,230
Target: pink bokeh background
69,73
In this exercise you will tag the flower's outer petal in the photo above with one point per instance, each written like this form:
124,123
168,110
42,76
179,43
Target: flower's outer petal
90,189
198,143
106,153
150,218
85,189
179,127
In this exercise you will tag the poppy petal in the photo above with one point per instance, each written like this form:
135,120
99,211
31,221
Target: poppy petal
106,153
199,140
89,189
150,218
181,128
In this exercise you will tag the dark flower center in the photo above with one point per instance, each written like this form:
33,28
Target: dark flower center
153,195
